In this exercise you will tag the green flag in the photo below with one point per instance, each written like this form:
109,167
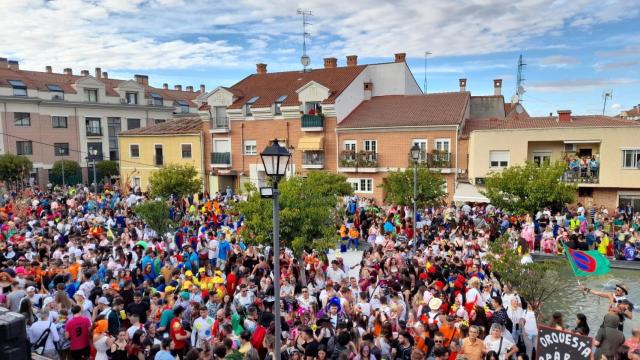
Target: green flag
587,263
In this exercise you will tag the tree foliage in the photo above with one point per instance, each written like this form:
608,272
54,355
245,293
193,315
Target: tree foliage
537,282
529,188
398,187
176,180
156,215
307,212
107,168
71,168
14,168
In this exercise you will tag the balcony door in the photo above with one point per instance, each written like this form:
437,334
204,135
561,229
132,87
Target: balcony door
158,155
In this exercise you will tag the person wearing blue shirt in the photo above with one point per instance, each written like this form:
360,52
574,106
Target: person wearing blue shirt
223,251
165,352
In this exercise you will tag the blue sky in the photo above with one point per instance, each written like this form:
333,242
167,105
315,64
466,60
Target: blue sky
573,49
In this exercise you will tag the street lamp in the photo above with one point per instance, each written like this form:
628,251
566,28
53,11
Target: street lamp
275,159
60,152
92,156
415,156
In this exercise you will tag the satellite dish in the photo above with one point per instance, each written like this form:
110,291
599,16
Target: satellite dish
515,99
521,90
305,60
519,109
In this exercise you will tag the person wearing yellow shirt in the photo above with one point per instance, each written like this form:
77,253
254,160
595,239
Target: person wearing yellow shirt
604,244
354,237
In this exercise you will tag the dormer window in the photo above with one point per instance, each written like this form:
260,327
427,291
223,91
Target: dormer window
56,90
19,88
247,105
132,98
184,106
278,103
92,95
156,99
312,108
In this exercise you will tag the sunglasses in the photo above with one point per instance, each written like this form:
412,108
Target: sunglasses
438,341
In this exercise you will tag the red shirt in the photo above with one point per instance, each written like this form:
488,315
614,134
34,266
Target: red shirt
176,328
78,329
231,284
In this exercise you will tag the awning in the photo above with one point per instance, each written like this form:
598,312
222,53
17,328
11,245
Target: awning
311,143
468,193
582,141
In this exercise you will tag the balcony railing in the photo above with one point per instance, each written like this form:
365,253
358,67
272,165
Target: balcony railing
581,176
220,123
360,159
221,158
313,159
435,159
312,121
94,131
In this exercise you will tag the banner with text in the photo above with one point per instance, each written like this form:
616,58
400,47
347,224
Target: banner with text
556,344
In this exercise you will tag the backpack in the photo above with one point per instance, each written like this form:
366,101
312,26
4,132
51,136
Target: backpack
40,344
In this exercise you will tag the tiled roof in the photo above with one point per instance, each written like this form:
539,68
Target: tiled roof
409,110
184,126
270,86
546,122
635,111
39,80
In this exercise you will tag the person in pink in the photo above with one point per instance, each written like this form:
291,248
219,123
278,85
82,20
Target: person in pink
77,331
528,233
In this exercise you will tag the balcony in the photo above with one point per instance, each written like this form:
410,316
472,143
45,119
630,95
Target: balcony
221,159
435,160
94,132
312,122
219,125
361,161
313,160
581,176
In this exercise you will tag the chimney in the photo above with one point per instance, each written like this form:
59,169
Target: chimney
105,75
14,65
463,85
564,116
190,88
84,72
98,73
497,87
261,68
352,60
48,69
202,89
177,87
3,63
68,71
401,57
141,79
330,63
165,86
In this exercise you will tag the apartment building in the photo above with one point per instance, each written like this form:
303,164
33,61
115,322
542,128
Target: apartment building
631,114
494,144
301,108
48,116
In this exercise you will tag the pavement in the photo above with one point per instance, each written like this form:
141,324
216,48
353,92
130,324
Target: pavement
351,258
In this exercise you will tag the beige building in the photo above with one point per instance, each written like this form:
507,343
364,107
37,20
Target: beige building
614,143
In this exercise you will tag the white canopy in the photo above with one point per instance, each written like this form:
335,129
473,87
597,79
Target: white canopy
468,193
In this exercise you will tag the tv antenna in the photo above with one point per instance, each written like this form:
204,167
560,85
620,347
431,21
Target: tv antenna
519,82
426,54
606,94
305,60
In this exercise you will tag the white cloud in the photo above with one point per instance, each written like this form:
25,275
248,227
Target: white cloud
578,84
558,61
616,106
162,34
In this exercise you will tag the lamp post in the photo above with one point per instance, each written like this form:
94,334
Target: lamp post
60,152
92,156
275,159
415,156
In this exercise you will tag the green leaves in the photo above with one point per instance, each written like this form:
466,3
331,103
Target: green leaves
176,180
307,211
71,168
398,187
107,168
14,168
529,188
156,215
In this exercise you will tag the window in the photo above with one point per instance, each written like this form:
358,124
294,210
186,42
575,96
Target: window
133,124
247,105
186,151
278,104
94,128
250,147
60,149
113,128
137,182
361,185
22,119
56,90
158,158
585,192
370,145
442,145
499,158
160,121
312,108
92,95
19,88
24,148
132,98
221,120
59,121
631,159
422,144
350,145
542,158
156,99
631,199
184,106
134,150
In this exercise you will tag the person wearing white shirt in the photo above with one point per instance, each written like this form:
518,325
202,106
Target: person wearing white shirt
135,325
38,328
213,251
87,307
530,329
201,333
335,273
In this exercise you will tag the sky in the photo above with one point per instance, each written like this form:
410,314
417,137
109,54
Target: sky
574,50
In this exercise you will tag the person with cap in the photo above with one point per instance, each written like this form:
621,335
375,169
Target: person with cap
36,332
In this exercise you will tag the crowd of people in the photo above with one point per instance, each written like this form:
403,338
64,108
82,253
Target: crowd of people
94,282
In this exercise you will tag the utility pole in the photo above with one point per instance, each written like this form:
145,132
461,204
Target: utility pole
426,54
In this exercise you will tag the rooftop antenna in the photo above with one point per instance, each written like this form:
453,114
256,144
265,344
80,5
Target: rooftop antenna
305,60
426,54
606,94
519,82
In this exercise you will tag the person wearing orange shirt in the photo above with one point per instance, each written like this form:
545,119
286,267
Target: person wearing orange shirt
354,237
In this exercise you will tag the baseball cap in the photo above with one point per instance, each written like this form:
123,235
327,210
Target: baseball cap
103,300
31,288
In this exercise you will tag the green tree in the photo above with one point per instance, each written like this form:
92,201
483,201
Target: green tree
107,169
156,215
14,168
307,211
506,263
529,188
72,172
176,180
398,187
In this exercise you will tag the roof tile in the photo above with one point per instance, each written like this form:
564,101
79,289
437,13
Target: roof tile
182,126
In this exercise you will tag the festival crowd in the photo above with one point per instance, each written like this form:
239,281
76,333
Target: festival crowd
94,282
